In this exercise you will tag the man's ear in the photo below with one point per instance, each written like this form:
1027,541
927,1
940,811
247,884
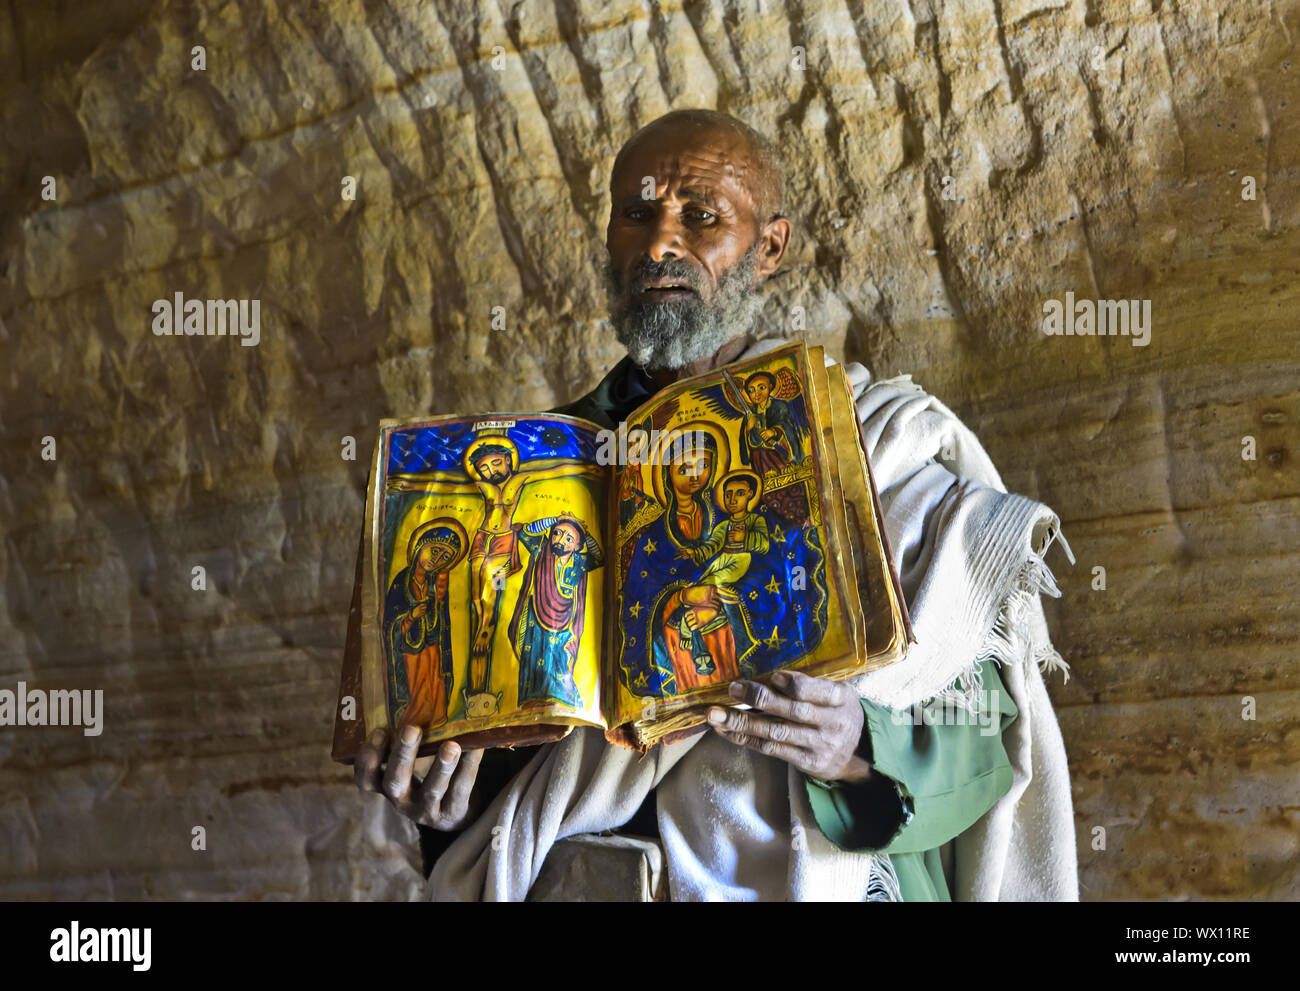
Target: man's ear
773,240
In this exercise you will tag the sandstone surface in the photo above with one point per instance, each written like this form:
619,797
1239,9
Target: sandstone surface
952,164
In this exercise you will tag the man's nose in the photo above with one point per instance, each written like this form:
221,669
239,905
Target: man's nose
665,238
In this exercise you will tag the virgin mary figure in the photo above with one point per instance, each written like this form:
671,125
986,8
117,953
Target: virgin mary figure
692,635
417,626
679,632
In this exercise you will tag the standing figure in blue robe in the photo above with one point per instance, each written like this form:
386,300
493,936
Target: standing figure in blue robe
546,630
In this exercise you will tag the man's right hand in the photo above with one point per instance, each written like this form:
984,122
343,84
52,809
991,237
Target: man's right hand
444,799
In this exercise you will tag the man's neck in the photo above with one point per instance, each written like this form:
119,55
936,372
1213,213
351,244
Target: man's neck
663,377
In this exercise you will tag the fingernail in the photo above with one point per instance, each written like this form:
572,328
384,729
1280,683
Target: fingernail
410,733
377,737
450,750
736,690
716,715
782,679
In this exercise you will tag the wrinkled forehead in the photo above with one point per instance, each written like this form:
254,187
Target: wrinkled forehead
685,160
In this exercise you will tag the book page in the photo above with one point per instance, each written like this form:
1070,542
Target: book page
727,560
840,535
882,605
487,585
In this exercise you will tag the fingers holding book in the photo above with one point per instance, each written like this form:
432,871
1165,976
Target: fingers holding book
813,723
441,800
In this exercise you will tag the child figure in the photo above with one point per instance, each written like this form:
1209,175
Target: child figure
734,541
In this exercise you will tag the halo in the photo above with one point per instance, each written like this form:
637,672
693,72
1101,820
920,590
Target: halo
663,446
721,484
499,440
445,522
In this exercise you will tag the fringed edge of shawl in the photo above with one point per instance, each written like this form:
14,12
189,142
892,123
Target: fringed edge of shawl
1007,642
882,881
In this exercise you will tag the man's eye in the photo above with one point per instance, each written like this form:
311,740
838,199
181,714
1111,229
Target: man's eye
704,216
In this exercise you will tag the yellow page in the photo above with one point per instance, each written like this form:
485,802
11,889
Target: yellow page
485,602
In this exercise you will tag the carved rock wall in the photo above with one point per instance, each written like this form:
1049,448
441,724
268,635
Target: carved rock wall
952,164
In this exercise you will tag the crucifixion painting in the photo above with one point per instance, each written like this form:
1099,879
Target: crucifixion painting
491,468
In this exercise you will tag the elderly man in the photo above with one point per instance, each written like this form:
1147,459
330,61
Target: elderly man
819,789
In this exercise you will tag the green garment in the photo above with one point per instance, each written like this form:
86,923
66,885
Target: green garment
930,783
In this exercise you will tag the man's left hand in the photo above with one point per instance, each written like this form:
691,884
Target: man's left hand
812,723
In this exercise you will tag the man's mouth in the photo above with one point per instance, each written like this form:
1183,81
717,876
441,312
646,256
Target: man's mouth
663,291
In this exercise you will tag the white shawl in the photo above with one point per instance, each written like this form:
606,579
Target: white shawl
736,825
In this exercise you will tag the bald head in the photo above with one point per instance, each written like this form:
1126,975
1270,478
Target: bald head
757,161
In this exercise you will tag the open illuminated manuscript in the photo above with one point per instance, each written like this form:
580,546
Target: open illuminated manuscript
522,574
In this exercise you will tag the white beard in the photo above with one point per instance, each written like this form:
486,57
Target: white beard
672,335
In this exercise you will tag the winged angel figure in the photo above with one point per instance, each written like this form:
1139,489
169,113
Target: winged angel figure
774,424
